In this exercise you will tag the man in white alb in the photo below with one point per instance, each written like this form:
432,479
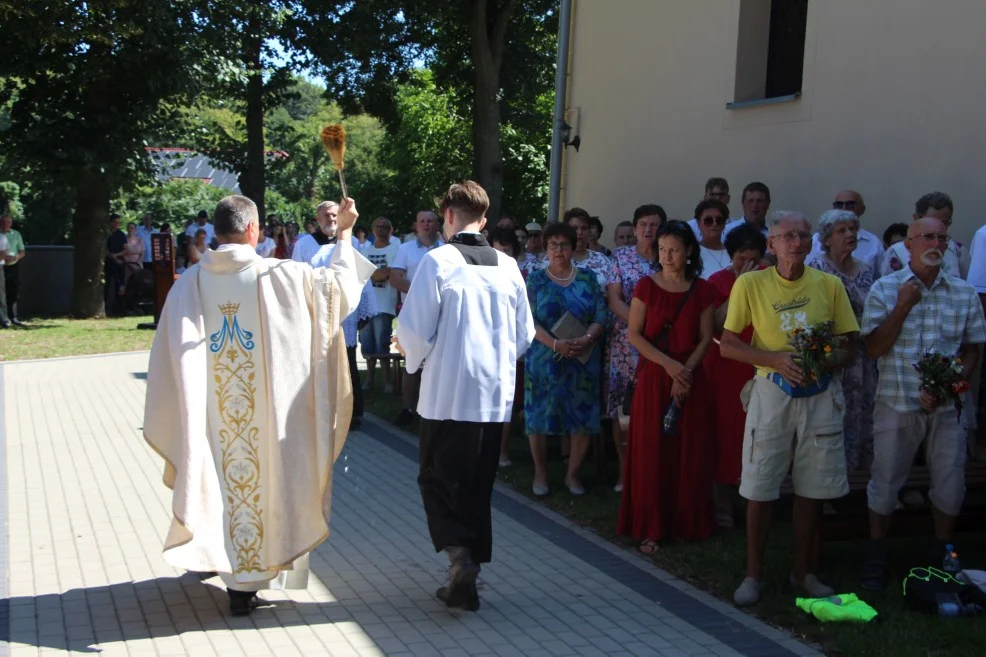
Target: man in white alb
465,322
248,402
325,233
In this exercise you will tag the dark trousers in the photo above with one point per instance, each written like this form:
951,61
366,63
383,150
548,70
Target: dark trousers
458,462
12,279
357,385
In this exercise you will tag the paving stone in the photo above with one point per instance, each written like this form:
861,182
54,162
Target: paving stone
87,512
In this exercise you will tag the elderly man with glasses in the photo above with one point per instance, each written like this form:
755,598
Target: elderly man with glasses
869,247
936,205
789,419
917,310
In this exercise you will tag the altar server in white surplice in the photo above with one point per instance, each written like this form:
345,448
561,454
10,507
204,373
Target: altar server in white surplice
248,401
465,322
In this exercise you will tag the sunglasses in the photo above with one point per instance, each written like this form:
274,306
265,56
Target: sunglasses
717,220
844,205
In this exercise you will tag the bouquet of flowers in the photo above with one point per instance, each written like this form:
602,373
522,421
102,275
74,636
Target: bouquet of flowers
941,377
813,345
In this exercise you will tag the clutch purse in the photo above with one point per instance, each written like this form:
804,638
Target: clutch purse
569,328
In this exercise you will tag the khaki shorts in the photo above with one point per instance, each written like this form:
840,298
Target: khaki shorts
805,431
896,438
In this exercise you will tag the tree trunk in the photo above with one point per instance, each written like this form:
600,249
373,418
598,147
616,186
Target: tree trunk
252,178
486,140
487,56
89,230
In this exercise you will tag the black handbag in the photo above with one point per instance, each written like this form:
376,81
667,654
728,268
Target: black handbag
661,342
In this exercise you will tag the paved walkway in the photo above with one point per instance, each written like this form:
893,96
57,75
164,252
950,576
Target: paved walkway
86,513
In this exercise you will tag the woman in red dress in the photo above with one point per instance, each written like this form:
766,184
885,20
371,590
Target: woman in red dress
667,488
746,246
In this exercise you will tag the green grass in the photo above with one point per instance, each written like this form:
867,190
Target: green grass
716,565
51,338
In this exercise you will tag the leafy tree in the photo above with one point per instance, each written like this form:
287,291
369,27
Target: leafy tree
429,146
87,85
494,56
257,76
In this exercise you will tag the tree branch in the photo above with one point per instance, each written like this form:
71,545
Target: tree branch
500,32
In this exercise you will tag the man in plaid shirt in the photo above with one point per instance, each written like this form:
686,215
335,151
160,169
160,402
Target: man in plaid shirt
908,313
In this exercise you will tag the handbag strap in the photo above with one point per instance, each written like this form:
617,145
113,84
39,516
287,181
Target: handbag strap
663,335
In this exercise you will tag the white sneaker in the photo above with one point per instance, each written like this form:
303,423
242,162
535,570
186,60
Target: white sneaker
618,488
748,593
813,587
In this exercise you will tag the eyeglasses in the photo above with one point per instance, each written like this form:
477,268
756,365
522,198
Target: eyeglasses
844,205
793,236
932,237
558,246
717,220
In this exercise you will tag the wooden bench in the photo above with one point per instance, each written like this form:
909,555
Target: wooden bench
851,517
396,368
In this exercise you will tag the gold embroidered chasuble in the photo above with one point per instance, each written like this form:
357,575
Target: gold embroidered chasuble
249,401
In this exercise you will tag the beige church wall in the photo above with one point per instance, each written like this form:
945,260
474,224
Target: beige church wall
892,104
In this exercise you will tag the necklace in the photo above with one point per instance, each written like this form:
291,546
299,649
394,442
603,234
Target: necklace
721,257
562,279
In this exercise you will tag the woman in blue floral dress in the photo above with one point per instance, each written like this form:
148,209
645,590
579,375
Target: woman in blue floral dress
561,394
837,231
630,264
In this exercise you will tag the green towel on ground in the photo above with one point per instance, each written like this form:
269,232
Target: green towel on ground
845,607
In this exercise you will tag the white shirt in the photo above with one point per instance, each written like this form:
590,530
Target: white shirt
464,324
145,235
410,254
266,248
736,223
4,247
869,249
713,261
977,261
386,294
306,247
898,257
210,231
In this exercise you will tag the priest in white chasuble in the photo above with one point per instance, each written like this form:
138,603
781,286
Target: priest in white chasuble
249,401
465,322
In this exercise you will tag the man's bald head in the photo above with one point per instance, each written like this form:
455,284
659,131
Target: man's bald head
851,200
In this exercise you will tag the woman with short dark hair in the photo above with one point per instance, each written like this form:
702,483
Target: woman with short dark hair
746,246
562,394
667,487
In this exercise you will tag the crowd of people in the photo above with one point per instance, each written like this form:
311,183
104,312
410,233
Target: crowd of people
677,343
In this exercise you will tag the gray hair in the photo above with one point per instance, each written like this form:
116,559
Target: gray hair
233,215
777,216
325,205
828,222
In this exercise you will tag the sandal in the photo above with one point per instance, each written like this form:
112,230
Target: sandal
874,575
649,547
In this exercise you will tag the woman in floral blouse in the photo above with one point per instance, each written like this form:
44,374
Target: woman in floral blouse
630,264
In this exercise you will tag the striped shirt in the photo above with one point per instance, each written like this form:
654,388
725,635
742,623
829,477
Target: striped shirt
948,315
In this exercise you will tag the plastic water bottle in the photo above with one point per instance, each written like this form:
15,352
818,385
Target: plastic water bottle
670,424
949,606
950,564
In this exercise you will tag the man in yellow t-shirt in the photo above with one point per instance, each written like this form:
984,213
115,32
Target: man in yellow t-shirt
787,420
